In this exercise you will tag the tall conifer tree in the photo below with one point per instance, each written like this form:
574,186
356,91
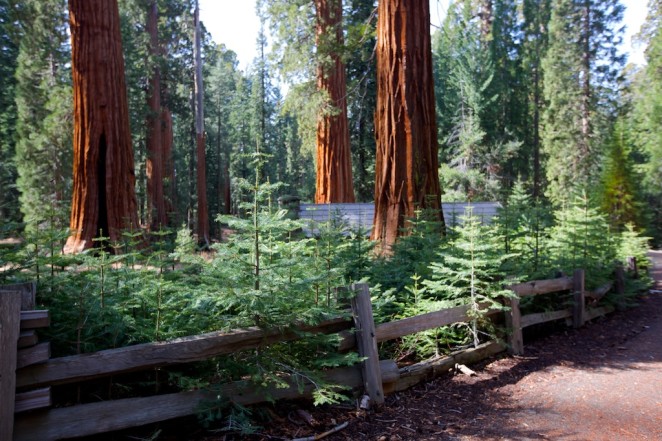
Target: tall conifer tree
9,37
43,103
581,67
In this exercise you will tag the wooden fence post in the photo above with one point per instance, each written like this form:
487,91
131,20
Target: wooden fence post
579,305
10,326
619,287
514,326
632,266
367,343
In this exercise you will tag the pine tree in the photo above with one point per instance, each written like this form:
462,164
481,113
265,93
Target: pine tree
534,47
581,239
647,112
470,270
44,107
620,197
360,41
581,69
475,146
9,38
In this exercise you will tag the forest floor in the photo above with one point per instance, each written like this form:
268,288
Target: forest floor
600,382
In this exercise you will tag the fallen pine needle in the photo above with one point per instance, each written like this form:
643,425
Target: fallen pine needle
338,428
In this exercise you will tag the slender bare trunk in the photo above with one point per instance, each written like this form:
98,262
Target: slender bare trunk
201,182
586,83
156,207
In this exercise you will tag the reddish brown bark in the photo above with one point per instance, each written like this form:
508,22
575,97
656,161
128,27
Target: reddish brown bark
104,200
201,182
334,163
406,175
156,206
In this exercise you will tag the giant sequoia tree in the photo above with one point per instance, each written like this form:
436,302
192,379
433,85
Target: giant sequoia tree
104,201
406,175
334,165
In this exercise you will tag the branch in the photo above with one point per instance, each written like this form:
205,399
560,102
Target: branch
338,428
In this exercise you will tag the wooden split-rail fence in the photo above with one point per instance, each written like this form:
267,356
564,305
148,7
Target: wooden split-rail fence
27,374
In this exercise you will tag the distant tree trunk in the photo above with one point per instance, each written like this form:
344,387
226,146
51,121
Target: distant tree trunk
168,163
156,207
537,104
227,189
334,161
586,80
406,175
486,18
203,213
104,200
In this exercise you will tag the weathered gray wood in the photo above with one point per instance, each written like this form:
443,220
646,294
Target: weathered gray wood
425,370
592,313
33,355
35,319
632,266
411,325
10,307
536,287
579,303
364,326
90,419
144,356
599,292
27,339
514,327
619,287
543,317
34,399
28,292
424,322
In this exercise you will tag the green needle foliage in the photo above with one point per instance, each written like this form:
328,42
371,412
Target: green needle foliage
470,271
582,238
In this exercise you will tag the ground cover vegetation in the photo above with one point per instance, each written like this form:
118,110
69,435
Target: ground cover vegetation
536,108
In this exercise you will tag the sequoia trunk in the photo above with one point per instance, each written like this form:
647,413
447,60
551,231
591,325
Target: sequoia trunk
406,175
156,207
104,200
334,166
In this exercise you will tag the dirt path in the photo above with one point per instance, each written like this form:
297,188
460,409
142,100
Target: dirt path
612,393
600,382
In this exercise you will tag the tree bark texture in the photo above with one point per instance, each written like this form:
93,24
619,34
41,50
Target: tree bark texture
334,162
168,163
156,207
201,182
406,175
104,200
